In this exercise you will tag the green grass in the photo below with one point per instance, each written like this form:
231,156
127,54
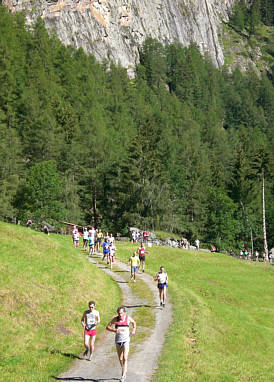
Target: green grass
223,317
45,285
162,235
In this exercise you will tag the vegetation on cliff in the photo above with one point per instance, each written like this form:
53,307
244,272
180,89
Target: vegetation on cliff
181,147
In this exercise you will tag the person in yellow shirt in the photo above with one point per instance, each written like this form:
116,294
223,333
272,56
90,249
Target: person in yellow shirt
134,264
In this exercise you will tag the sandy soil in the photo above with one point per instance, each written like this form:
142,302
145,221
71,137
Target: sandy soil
104,365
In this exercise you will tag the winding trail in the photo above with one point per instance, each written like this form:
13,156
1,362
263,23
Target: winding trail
142,364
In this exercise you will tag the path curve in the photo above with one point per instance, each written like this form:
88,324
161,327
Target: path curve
142,364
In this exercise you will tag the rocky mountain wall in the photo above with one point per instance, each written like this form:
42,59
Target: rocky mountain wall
115,29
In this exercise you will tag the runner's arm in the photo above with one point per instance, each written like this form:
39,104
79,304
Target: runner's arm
110,324
133,326
83,319
98,319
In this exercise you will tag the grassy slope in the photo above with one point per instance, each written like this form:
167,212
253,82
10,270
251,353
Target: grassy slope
45,285
223,316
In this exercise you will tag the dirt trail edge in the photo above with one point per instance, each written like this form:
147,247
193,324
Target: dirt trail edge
104,365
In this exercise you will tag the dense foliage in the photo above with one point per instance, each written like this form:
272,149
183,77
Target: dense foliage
180,147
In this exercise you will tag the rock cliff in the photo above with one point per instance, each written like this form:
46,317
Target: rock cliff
115,29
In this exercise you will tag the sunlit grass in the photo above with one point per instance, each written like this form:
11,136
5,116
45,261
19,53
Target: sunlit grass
223,316
45,286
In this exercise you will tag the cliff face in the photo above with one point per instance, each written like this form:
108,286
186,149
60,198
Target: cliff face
114,29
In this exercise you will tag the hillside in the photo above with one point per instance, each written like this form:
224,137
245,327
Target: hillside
45,286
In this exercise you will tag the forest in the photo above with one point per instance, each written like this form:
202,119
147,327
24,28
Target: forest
181,147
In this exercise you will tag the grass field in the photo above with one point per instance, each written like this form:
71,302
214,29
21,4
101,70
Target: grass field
223,316
45,285
223,310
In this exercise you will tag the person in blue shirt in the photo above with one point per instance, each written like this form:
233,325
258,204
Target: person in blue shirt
90,244
106,249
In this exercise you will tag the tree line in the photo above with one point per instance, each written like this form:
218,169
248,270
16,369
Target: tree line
181,147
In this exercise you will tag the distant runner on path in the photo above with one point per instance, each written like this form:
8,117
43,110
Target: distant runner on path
134,265
90,320
162,279
142,255
120,326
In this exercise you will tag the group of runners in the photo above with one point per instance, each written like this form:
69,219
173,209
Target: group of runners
121,324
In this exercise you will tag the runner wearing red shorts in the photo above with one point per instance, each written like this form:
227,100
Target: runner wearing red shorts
90,320
142,255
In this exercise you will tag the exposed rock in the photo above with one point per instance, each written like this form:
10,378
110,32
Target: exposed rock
115,29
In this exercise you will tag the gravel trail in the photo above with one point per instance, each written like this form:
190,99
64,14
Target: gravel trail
143,362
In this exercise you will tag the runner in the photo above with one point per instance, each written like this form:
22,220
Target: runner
121,329
90,244
85,239
98,240
142,255
90,320
145,236
106,249
134,264
76,237
111,239
162,279
112,250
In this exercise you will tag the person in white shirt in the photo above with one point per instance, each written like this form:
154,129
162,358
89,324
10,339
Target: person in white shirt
162,279
90,319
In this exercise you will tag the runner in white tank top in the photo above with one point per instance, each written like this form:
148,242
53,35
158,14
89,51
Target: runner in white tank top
162,279
120,326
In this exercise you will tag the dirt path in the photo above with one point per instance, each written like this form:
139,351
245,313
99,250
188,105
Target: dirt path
104,365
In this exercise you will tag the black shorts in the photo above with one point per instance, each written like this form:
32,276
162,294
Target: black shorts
142,258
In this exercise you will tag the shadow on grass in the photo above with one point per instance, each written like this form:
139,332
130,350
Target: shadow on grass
142,306
69,355
123,282
121,271
85,379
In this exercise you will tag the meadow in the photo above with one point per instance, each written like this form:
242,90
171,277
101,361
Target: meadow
45,285
222,329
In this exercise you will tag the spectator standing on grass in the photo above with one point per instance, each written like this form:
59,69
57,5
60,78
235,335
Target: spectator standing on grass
90,319
241,254
28,223
197,244
257,256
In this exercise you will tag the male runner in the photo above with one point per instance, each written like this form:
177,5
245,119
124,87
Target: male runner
142,255
121,325
162,279
90,320
134,264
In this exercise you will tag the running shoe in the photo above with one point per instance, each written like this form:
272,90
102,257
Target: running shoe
85,353
163,304
89,358
143,270
134,281
123,378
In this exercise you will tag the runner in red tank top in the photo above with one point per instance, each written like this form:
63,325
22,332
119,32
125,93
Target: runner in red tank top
142,255
120,326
